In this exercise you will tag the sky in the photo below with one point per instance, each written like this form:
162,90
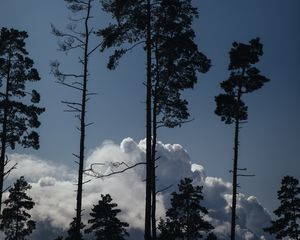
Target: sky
269,144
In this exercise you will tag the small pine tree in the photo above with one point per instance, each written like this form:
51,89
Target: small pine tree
211,236
288,212
72,231
104,222
184,220
15,220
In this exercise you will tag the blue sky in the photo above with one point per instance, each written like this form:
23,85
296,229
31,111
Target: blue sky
270,142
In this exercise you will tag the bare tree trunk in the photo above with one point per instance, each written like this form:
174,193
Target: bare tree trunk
82,128
235,167
4,136
148,128
153,166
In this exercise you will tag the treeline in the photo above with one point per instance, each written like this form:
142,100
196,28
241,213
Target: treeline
173,60
185,219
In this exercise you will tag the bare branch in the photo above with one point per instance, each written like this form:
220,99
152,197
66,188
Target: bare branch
6,174
6,189
68,85
98,175
59,33
73,108
87,181
164,189
94,49
72,103
89,124
245,175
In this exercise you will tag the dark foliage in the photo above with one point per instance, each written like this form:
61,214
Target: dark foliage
72,231
288,212
16,69
177,59
15,219
104,221
18,114
244,78
184,220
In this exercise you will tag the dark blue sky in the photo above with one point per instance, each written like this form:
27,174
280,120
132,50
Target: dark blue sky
270,144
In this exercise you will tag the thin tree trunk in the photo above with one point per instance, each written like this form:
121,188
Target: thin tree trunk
82,128
235,167
153,166
4,135
148,128
154,141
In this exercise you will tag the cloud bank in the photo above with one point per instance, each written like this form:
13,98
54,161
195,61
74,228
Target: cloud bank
53,189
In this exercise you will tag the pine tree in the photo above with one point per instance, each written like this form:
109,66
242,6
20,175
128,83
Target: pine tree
72,230
288,212
244,78
168,36
211,236
18,118
184,220
133,27
104,222
15,219
177,61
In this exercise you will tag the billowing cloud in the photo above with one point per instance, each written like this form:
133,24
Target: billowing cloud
53,188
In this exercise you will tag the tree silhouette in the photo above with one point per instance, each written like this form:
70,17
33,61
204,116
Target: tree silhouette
134,27
72,230
244,78
15,220
76,39
177,60
18,118
168,36
288,212
184,220
104,221
211,236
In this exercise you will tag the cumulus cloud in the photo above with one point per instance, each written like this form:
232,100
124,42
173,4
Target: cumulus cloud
53,188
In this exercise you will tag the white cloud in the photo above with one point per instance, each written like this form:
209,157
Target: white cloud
53,188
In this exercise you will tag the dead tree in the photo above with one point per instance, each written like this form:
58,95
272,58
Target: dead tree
76,38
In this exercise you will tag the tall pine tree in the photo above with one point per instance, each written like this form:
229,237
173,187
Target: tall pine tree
18,114
288,213
15,219
104,222
168,36
244,78
184,220
177,62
